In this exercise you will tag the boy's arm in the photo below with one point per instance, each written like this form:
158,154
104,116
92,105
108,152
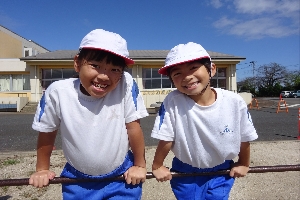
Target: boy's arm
160,172
137,173
161,153
44,149
241,167
136,142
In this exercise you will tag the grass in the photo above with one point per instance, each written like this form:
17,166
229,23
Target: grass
8,162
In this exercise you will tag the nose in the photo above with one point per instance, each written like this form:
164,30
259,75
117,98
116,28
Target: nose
187,77
102,74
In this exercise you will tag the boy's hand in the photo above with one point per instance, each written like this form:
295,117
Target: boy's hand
135,175
41,178
238,170
162,174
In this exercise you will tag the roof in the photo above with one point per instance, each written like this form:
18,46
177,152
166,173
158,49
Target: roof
133,54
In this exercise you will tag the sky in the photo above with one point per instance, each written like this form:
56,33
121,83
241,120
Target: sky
262,31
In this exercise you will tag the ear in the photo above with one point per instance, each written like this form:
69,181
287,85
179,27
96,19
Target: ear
77,63
213,69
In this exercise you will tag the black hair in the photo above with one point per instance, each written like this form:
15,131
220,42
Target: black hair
99,55
204,61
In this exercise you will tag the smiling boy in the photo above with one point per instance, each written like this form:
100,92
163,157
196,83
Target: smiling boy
98,116
205,128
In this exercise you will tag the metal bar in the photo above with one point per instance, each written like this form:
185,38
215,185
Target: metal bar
149,175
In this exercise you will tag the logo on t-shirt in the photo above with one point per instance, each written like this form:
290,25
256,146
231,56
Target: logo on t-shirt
113,115
226,130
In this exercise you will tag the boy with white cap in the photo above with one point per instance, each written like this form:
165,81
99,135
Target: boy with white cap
204,127
98,116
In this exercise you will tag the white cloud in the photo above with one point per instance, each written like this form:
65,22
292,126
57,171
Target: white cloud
224,22
216,3
266,6
255,19
259,28
255,6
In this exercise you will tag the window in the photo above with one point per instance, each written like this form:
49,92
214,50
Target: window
4,83
27,52
14,82
51,75
219,80
153,80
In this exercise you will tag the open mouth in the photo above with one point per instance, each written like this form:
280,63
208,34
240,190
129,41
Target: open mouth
98,85
193,85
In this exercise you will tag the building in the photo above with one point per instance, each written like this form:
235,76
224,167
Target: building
14,73
52,66
36,69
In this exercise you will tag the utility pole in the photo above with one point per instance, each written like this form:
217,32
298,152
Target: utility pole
254,78
253,67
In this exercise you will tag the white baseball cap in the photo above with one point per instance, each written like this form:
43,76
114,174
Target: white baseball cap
183,53
106,41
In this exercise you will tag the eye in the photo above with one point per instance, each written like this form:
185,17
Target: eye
95,66
116,70
194,67
175,74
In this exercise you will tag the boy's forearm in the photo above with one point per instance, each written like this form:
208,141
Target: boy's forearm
244,155
137,143
161,153
44,150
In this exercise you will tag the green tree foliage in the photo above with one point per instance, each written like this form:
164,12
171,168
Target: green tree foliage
270,80
248,84
292,80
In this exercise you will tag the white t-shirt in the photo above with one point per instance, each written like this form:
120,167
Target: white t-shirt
93,131
204,136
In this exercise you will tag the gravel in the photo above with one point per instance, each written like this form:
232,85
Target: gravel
271,186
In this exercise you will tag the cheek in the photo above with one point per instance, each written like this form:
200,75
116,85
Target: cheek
176,81
116,78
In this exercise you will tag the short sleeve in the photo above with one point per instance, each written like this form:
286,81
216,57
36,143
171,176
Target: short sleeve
46,118
248,132
134,103
163,128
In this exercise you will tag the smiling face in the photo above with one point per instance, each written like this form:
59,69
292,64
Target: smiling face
192,79
97,78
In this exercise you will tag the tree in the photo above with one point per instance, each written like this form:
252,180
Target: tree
247,84
269,75
270,78
292,80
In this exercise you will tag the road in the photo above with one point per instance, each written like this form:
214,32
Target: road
16,133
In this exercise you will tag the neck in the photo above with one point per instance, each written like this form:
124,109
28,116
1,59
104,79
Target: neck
207,97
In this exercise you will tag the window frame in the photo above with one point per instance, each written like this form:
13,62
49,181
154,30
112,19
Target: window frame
11,82
157,76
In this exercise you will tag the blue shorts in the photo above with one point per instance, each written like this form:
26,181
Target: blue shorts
102,189
214,187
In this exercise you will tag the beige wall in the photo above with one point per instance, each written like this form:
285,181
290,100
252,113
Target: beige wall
16,94
10,47
13,65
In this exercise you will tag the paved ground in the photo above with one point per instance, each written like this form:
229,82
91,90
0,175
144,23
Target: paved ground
277,145
16,133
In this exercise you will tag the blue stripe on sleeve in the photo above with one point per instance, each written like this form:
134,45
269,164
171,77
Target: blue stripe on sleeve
135,92
249,117
161,113
42,105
